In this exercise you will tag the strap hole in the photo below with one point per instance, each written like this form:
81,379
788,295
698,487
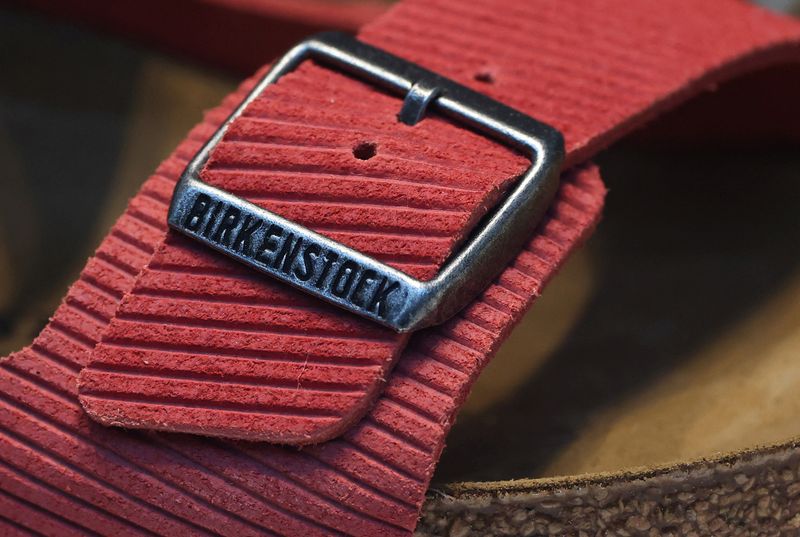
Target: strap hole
365,150
484,76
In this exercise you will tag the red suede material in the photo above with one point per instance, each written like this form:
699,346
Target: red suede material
288,368
234,34
594,72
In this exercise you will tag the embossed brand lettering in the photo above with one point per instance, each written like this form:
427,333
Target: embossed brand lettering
291,256
245,235
198,211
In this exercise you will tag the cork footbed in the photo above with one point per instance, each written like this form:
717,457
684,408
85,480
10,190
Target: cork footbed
669,339
672,337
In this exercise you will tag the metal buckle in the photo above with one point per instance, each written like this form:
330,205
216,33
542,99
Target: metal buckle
341,275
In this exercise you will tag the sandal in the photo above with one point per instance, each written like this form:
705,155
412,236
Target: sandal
176,391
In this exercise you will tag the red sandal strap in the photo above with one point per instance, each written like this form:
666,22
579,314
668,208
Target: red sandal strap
593,69
232,34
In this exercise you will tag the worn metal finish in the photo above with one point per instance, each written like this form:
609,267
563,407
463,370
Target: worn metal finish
315,264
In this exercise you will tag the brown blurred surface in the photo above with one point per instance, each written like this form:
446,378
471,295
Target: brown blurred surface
674,334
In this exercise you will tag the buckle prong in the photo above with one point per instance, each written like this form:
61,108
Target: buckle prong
416,102
342,275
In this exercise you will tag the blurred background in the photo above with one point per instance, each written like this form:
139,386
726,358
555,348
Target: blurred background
674,333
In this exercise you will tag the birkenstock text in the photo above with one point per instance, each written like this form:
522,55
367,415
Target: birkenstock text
291,253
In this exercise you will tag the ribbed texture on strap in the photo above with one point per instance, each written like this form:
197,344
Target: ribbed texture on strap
65,475
274,364
230,353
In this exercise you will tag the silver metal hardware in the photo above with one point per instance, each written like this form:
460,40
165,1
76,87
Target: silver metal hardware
317,265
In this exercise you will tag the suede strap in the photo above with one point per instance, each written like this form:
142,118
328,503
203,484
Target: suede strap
233,34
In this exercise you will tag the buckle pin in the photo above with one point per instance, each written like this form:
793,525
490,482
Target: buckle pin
416,102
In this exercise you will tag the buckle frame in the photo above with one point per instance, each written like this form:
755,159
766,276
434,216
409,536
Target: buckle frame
342,275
